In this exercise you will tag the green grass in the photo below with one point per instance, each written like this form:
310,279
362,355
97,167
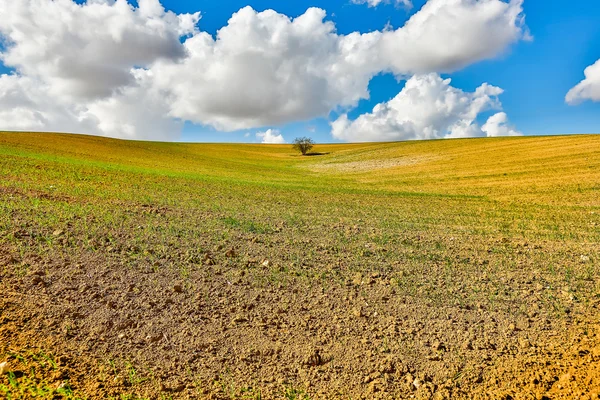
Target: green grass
29,387
29,383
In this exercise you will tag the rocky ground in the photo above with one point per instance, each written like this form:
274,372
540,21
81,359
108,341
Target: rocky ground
237,326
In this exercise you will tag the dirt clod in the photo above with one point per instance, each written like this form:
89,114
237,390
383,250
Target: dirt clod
314,359
239,318
230,253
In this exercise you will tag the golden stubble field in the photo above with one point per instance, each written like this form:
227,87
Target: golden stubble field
439,269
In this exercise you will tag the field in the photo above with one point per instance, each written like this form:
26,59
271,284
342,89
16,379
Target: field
437,269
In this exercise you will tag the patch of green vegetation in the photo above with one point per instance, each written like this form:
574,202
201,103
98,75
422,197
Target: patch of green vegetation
245,225
229,388
27,380
292,393
28,386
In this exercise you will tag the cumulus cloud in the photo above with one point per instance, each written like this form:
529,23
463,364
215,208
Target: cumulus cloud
428,107
375,3
87,51
497,125
587,89
108,67
137,111
25,104
446,35
81,68
264,68
267,69
271,136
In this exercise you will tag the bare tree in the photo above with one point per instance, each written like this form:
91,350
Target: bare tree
303,145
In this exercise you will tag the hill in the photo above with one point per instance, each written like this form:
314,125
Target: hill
455,268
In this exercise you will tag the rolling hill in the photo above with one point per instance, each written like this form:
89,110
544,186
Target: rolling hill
460,268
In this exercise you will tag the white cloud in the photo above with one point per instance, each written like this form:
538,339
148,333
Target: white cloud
80,68
267,69
137,111
497,125
428,107
110,68
587,89
271,136
25,104
87,51
264,68
375,3
446,35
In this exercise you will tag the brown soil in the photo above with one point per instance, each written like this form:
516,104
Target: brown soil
224,332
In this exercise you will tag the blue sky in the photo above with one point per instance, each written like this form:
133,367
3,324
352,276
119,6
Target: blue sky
348,18
535,75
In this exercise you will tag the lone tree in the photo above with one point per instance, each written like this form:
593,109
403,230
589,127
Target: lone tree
303,144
